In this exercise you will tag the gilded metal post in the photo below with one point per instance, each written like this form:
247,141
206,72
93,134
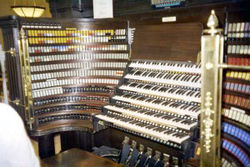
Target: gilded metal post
26,75
211,57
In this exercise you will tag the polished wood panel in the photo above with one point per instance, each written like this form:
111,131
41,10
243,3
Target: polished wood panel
167,42
77,158
62,125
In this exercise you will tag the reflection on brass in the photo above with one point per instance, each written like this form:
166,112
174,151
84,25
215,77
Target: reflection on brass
12,52
26,76
16,102
228,66
211,58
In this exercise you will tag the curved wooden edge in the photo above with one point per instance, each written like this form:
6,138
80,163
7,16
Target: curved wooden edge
62,126
83,94
65,112
82,102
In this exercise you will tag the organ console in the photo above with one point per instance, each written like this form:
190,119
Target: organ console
78,75
158,100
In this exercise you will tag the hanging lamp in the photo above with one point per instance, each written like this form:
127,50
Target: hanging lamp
27,8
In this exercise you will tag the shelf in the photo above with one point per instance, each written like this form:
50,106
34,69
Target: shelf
231,158
72,69
238,55
77,52
237,41
237,142
78,85
65,112
86,102
243,81
236,123
81,43
241,94
232,105
76,94
87,77
106,35
78,60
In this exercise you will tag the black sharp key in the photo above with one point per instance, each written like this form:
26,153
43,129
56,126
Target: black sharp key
158,115
151,127
191,94
168,117
197,78
160,75
149,100
157,101
150,113
147,87
133,84
140,86
167,76
169,132
188,122
172,75
155,88
163,89
177,119
166,103
197,94
138,73
193,80
159,129
141,98
142,111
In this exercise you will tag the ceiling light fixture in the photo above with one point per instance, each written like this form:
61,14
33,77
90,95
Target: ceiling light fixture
28,8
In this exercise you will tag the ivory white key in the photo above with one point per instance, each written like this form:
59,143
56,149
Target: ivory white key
143,130
166,94
194,81
151,118
166,108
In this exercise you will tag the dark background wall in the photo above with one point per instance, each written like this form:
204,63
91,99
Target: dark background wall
84,8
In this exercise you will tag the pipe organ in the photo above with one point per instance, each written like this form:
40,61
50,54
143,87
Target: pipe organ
149,100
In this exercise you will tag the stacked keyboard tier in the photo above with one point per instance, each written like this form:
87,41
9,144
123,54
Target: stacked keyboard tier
74,66
236,84
159,101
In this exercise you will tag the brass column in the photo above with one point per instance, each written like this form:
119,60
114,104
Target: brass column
26,76
212,42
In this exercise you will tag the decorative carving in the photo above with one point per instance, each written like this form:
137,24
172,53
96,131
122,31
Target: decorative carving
208,122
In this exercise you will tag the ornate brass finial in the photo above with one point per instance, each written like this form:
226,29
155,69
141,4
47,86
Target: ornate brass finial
212,23
212,20
22,34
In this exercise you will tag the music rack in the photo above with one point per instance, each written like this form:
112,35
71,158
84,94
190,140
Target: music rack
65,69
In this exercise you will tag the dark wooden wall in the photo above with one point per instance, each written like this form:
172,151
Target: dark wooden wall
178,41
164,41
84,8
